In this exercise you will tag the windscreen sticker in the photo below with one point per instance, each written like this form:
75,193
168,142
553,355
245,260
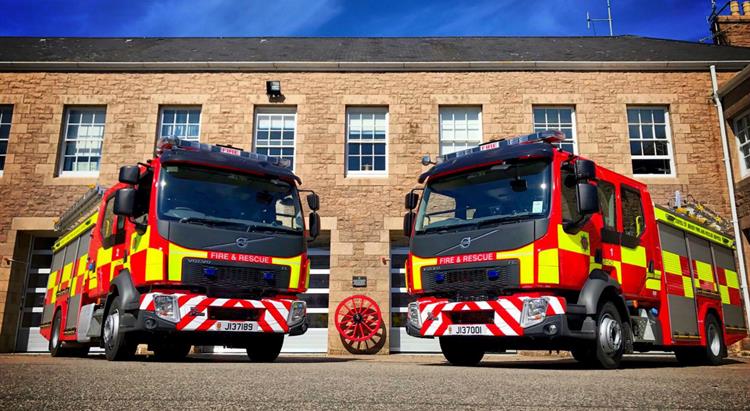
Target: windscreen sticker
536,206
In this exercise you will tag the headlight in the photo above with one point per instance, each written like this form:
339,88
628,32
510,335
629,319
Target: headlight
296,313
413,315
166,307
534,311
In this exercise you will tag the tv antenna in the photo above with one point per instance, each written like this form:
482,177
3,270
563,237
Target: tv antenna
590,21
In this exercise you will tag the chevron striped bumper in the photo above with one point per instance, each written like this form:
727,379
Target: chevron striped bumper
506,316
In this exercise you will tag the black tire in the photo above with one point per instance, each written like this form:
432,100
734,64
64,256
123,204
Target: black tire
55,343
714,350
460,351
117,345
173,351
265,347
583,355
609,344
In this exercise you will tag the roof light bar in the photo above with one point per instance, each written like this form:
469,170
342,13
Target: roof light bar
172,143
547,136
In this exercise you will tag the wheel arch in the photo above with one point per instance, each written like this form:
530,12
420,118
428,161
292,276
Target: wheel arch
600,287
122,286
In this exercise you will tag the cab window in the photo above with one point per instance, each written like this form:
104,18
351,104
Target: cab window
568,204
112,228
632,216
607,204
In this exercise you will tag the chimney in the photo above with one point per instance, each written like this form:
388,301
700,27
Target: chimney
732,29
734,8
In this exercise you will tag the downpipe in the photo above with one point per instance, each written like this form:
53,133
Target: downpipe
730,184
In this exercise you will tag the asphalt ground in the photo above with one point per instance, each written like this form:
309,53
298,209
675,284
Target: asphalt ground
380,382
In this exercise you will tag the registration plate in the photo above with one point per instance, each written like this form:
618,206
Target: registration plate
466,329
241,326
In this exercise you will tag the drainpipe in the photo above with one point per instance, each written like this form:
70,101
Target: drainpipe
730,185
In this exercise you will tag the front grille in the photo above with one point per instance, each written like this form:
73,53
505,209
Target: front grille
233,314
505,274
236,277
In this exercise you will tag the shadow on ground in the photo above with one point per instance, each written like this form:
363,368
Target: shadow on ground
231,358
571,364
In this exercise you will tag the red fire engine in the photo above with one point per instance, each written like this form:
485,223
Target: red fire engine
517,244
202,245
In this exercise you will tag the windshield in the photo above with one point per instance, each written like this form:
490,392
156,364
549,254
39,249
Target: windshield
205,196
504,192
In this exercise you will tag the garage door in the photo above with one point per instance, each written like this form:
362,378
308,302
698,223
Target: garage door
400,340
38,266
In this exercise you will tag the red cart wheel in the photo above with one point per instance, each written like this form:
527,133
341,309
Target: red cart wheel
358,318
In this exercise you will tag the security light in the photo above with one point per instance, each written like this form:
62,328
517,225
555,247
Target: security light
273,88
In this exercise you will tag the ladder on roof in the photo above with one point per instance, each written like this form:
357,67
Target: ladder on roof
80,209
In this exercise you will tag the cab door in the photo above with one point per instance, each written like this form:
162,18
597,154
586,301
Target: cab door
111,233
609,254
634,242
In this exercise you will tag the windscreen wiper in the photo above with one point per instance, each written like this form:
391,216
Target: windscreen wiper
502,219
260,228
211,222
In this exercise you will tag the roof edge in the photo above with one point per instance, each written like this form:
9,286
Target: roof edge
365,66
733,82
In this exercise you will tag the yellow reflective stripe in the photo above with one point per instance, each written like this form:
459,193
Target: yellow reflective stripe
686,225
617,265
139,242
103,256
704,271
525,256
176,254
154,264
724,291
732,279
572,242
52,280
549,269
67,269
687,286
633,256
671,262
80,228
416,266
653,284
294,263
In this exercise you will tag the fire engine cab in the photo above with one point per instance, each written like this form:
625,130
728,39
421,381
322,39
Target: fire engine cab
202,245
517,244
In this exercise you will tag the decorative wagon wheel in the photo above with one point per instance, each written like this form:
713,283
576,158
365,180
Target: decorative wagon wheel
360,324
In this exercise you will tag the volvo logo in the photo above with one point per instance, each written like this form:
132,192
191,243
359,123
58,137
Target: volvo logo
241,242
465,242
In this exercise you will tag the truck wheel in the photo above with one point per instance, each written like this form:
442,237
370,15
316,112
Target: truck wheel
117,346
265,347
173,351
610,340
459,351
712,353
55,342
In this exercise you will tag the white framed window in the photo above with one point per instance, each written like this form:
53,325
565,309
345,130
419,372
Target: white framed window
742,131
180,122
366,141
82,140
460,128
275,132
650,141
6,117
562,118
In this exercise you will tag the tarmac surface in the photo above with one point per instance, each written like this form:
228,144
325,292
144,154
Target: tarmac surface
374,382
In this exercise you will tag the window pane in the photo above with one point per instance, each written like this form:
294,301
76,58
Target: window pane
647,132
632,116
380,149
634,132
82,139
274,134
648,148
659,116
3,147
353,163
353,148
651,166
5,131
660,132
649,126
380,163
635,148
366,126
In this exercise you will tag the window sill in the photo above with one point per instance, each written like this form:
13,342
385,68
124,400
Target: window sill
73,179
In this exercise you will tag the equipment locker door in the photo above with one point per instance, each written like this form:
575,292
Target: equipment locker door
679,282
37,266
729,288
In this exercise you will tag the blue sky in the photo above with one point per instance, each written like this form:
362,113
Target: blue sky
675,19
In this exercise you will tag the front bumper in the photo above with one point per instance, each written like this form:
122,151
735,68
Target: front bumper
504,314
194,317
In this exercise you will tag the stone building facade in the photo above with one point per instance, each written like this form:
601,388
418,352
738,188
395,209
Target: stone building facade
361,212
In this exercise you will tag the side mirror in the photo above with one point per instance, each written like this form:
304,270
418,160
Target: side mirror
314,228
130,175
313,201
411,200
587,198
426,160
125,202
409,223
585,170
